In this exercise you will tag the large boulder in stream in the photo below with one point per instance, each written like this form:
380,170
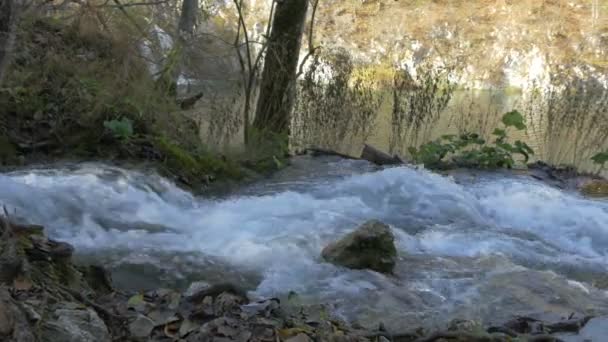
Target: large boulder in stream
371,246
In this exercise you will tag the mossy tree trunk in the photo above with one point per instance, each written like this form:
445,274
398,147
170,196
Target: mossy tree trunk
277,90
188,17
7,33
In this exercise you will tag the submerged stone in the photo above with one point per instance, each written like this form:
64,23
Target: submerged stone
371,246
596,187
74,325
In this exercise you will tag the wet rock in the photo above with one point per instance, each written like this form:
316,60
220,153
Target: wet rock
464,325
45,249
74,325
196,287
11,263
262,308
596,187
595,330
141,327
371,246
162,317
227,303
13,323
216,290
31,312
187,327
98,278
223,327
378,157
299,338
6,319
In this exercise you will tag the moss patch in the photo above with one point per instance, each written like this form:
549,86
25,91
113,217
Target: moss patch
195,168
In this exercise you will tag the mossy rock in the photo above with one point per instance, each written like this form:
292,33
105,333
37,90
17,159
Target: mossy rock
596,188
371,246
195,168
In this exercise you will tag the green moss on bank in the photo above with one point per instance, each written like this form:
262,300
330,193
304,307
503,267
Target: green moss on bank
69,79
195,167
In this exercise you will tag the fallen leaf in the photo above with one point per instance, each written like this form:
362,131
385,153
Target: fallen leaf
22,283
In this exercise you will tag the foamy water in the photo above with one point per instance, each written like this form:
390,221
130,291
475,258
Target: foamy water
486,249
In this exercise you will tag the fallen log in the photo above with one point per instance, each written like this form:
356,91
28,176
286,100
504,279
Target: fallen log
378,157
318,151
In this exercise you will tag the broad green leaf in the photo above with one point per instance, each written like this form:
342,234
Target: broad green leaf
499,132
600,158
514,119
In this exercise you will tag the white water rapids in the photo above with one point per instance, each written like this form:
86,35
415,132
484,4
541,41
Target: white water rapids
484,247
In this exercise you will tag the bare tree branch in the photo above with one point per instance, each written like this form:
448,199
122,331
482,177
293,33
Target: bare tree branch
133,4
121,7
311,48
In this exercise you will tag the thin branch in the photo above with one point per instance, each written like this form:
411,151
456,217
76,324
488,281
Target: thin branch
239,8
121,7
311,48
132,4
256,64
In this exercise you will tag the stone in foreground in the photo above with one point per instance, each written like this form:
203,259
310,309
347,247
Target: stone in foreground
371,246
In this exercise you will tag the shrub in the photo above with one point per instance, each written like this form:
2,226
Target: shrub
470,150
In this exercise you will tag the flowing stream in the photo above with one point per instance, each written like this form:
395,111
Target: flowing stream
481,246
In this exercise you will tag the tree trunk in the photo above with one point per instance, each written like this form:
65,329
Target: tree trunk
174,64
277,89
7,33
187,19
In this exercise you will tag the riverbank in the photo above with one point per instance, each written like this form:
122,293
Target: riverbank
75,93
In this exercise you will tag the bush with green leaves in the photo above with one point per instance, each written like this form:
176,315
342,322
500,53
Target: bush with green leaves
471,150
600,159
121,129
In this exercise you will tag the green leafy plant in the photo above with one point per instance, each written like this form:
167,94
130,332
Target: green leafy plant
600,159
514,119
470,150
121,129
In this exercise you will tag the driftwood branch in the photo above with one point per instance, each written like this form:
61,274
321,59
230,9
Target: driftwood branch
378,157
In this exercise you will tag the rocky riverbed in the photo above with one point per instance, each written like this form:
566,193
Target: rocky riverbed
44,296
